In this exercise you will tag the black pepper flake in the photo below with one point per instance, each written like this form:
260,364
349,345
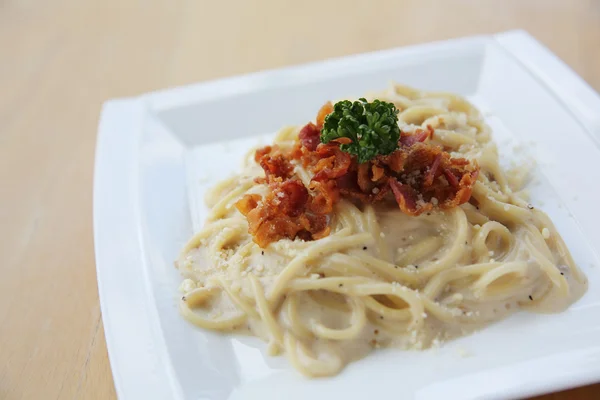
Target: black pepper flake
466,242
364,247
530,298
477,207
376,332
428,213
530,206
416,266
262,252
395,266
562,273
340,285
381,317
183,298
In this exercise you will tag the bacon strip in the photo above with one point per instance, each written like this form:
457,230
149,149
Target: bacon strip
433,169
451,177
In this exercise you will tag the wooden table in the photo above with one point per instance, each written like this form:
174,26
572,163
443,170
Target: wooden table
59,60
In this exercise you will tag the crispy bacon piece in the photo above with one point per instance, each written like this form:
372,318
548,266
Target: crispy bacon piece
349,187
377,172
290,197
435,179
407,198
297,151
276,165
310,136
323,112
432,170
395,161
364,181
419,135
260,153
283,213
332,162
326,194
348,183
248,203
452,179
465,187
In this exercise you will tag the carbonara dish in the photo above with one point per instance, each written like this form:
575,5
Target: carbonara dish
386,222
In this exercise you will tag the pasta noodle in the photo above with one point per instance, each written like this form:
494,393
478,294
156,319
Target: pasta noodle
381,278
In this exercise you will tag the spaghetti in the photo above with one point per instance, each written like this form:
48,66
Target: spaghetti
380,277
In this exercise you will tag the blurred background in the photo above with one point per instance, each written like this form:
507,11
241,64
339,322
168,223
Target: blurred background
61,59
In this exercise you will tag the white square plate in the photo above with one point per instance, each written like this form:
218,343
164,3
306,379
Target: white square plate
157,153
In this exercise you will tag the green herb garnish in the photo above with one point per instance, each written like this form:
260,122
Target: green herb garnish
371,127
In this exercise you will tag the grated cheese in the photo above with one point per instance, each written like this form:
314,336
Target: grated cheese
187,286
545,233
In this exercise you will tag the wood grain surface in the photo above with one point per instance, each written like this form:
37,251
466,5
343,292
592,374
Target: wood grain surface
59,60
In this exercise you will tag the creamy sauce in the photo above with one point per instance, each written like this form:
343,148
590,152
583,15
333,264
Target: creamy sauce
382,278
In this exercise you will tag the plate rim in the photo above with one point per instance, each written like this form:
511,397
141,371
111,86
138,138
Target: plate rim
130,337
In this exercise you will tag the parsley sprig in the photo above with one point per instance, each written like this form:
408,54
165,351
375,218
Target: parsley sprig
371,126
